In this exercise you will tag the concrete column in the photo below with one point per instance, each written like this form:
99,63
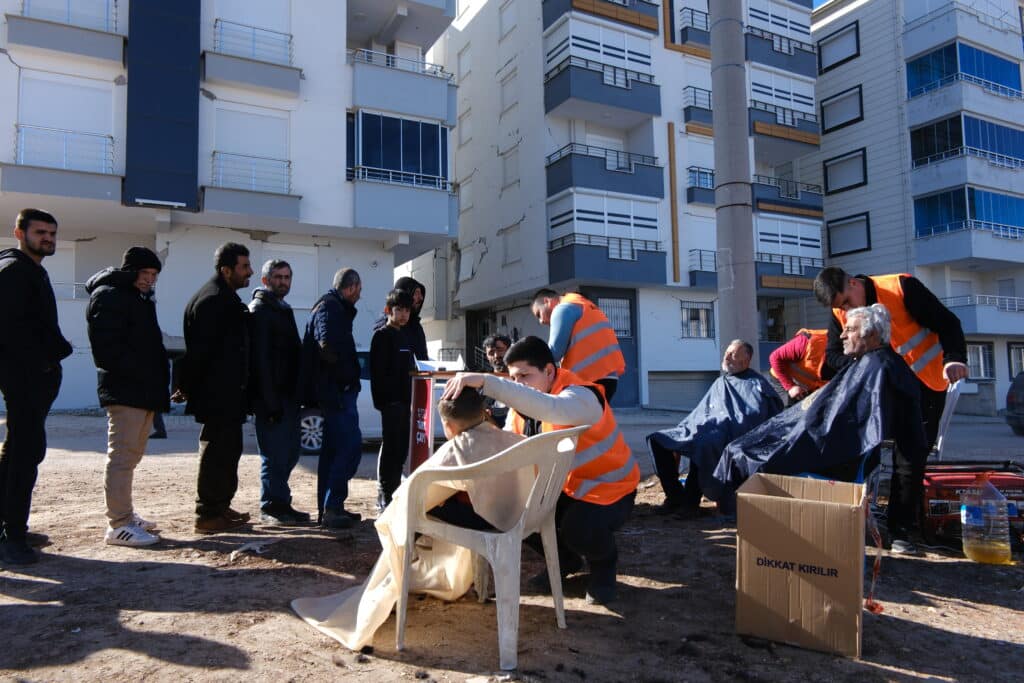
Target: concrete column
737,298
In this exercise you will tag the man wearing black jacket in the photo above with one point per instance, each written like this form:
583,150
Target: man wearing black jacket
214,380
31,349
132,379
273,390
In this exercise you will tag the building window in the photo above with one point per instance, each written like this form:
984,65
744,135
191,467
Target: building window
934,141
1016,351
1001,141
950,210
937,68
509,96
506,18
465,127
466,194
980,365
402,150
841,110
940,212
849,235
698,319
511,245
464,63
839,47
618,314
510,167
846,171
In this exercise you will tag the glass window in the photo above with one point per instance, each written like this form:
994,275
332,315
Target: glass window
992,207
927,71
411,146
350,142
936,138
848,235
370,131
698,319
1016,351
401,145
845,172
429,147
980,363
940,212
992,137
391,143
987,66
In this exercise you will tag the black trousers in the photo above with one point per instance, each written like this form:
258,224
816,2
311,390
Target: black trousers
666,464
907,486
220,448
932,405
394,449
28,400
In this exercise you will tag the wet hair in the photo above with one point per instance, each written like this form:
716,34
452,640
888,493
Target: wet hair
875,318
493,340
227,255
744,344
544,294
272,265
530,350
26,216
465,408
345,278
398,298
828,283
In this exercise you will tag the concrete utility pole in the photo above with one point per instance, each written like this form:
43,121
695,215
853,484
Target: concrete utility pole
737,298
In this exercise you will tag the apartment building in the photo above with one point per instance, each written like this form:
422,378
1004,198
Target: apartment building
584,160
313,131
921,160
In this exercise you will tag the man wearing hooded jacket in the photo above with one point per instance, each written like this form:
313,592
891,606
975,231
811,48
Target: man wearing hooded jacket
412,330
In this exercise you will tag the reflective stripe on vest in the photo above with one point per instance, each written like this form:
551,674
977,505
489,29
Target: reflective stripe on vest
593,352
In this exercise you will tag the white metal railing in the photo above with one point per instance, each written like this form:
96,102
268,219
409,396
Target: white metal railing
612,75
784,115
614,159
65,149
242,40
990,86
993,21
1012,304
392,177
789,189
256,174
706,260
993,158
1001,230
698,176
100,15
619,248
402,63
781,43
696,97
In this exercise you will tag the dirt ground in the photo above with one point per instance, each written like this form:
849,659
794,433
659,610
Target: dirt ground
190,610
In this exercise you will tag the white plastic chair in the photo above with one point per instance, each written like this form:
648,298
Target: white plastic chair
552,456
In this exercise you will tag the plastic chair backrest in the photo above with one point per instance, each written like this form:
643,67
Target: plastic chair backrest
952,396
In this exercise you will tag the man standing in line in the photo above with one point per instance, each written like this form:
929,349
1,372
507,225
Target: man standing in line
413,330
132,379
31,349
582,339
331,366
214,381
276,348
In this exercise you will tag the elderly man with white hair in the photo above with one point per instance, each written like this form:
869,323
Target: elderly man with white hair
876,397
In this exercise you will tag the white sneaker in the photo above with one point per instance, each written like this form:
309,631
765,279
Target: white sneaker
130,535
143,524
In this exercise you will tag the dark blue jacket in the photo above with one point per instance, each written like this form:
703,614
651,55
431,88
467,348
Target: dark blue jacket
329,361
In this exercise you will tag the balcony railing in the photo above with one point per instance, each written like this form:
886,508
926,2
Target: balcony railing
991,157
787,188
998,23
402,63
255,174
706,261
693,18
619,248
990,86
613,75
1012,304
65,149
697,176
100,15
696,97
784,115
392,177
632,3
781,43
261,44
614,159
703,261
1000,230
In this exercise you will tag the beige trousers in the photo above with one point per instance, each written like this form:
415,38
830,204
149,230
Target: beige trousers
127,434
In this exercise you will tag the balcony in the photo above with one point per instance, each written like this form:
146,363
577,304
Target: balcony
694,32
62,162
781,134
970,245
963,92
700,185
417,22
777,274
80,27
580,88
781,52
597,168
386,82
251,56
966,165
777,195
986,314
405,202
697,116
952,20
598,258
251,185
636,13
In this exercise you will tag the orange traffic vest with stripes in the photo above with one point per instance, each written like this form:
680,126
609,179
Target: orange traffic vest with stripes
918,345
593,352
604,469
807,371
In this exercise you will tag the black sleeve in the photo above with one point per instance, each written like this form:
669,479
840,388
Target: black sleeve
928,311
202,342
835,359
380,369
14,295
109,336
260,323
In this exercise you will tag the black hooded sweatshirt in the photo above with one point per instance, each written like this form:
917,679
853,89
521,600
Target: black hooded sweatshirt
31,342
415,337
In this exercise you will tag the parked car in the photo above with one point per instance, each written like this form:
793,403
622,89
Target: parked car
1015,405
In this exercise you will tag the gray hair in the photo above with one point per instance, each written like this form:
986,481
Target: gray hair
875,318
272,265
744,344
345,278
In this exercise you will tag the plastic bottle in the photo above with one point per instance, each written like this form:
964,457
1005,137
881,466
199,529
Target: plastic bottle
985,523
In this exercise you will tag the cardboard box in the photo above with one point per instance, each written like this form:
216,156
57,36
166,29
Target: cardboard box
800,562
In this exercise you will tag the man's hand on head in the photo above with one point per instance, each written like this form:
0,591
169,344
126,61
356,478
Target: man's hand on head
456,384
955,371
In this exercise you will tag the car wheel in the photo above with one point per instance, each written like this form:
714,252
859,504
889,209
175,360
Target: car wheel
311,431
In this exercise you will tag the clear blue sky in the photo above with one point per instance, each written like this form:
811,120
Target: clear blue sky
818,3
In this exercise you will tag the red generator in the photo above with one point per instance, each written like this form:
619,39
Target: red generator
943,483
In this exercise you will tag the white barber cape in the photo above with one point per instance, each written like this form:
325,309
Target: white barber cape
440,569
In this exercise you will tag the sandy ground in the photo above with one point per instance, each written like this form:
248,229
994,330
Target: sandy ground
188,610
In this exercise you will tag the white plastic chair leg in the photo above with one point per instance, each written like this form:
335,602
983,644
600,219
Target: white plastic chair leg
550,540
403,595
481,577
506,561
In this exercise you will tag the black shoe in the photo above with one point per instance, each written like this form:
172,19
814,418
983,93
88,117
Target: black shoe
300,517
36,540
15,552
541,583
601,589
336,520
601,594
282,515
354,516
158,435
670,506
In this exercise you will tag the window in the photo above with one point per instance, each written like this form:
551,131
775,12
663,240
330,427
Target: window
988,67
846,172
464,63
465,127
935,140
418,150
992,137
934,69
992,207
593,42
849,235
466,194
618,314
510,167
980,365
506,18
949,210
841,110
511,245
839,47
698,319
928,71
1016,351
252,132
509,96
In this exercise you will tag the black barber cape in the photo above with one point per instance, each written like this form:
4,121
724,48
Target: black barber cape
734,405
875,398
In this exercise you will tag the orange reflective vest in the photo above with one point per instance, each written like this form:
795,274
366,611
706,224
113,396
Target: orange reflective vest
918,345
593,352
604,469
807,371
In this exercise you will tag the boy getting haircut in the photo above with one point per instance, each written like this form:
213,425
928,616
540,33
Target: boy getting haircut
464,410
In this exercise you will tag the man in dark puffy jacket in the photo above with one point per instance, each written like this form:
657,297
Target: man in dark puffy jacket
132,377
213,380
31,349
273,391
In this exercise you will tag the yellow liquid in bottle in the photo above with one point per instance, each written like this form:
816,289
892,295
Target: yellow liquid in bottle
988,553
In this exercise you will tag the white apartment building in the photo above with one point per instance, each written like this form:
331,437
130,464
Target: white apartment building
921,159
311,130
584,160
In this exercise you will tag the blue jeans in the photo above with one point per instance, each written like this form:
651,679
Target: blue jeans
340,454
279,452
